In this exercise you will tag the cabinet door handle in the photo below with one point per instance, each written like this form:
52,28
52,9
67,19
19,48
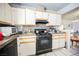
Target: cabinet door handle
27,42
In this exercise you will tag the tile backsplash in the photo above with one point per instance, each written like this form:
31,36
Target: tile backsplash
30,29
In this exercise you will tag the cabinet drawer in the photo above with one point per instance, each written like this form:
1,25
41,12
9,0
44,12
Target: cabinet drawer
62,43
26,39
27,42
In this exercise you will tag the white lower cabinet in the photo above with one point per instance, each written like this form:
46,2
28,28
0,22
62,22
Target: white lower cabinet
58,43
27,49
26,46
62,43
55,43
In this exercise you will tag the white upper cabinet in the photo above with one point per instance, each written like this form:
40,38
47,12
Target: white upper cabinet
23,16
45,15
41,15
18,16
1,12
5,13
58,19
30,17
51,19
54,19
38,14
13,16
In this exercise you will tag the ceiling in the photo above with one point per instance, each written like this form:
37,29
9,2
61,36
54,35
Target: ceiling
48,6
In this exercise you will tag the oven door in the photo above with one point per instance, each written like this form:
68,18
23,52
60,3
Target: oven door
43,43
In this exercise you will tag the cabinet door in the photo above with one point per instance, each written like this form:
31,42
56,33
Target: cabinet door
26,46
2,12
58,19
61,42
30,17
7,13
10,49
55,43
51,19
18,15
45,15
27,49
54,19
13,17
39,14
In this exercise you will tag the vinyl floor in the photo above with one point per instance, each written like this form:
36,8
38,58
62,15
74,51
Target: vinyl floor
63,52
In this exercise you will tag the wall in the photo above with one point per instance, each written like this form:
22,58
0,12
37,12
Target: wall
66,22
73,25
70,16
74,14
76,26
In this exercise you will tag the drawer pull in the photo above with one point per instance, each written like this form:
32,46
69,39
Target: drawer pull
25,38
27,42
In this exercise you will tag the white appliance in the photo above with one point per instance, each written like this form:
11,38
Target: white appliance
7,31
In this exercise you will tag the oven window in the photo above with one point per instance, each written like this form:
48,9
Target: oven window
44,42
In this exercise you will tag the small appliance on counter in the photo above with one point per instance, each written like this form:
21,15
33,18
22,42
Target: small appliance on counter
55,29
52,30
7,31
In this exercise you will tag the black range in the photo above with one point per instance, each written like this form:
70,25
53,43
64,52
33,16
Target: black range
43,41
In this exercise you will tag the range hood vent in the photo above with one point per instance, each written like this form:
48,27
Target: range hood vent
41,21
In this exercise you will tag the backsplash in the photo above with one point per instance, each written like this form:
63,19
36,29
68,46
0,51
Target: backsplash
30,29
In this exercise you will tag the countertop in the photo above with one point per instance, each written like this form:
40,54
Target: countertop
28,34
5,41
59,35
